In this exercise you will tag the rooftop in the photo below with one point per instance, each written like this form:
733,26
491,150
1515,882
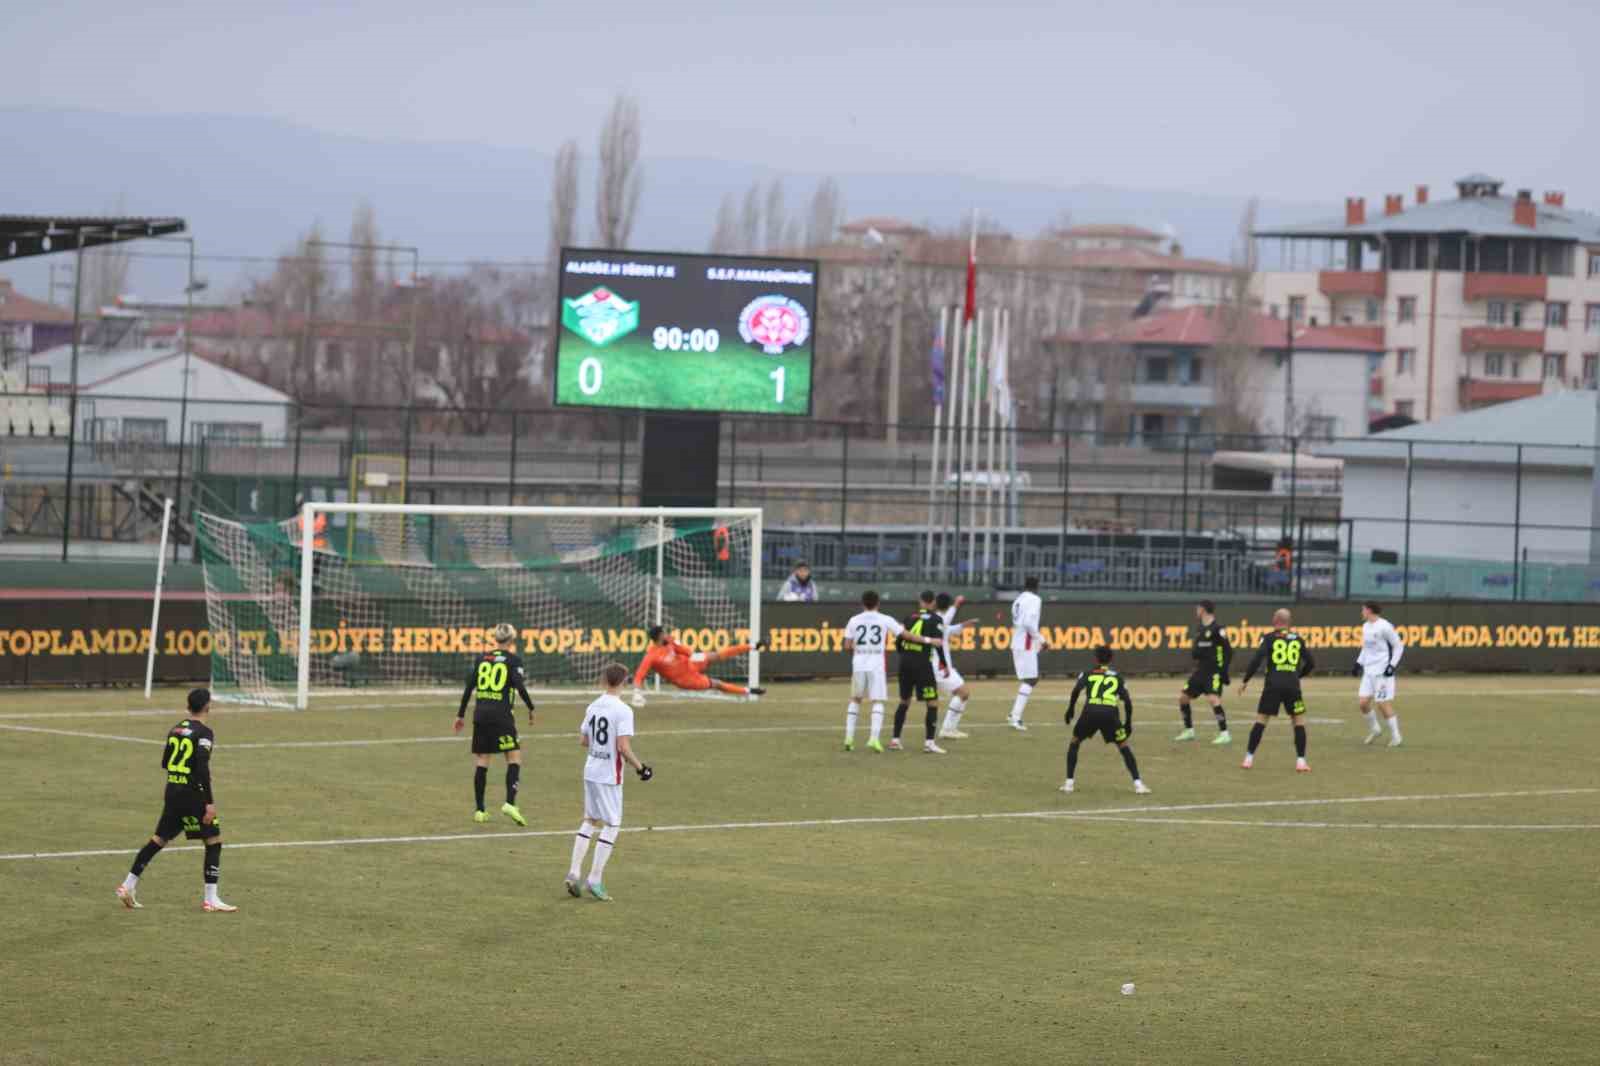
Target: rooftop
1108,229
1557,428
1479,209
1203,327
15,307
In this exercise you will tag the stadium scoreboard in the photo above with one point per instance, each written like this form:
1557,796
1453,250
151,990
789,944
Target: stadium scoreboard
680,332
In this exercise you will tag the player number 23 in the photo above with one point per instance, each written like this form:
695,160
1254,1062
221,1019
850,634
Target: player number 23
1286,653
861,635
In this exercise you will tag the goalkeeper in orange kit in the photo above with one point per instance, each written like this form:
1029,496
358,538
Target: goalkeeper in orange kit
686,669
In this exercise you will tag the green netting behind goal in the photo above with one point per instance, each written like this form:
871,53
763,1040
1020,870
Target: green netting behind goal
405,601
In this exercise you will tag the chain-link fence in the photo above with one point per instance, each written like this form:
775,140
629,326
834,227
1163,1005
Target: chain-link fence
1178,514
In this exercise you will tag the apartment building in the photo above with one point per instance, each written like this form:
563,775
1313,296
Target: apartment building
1475,300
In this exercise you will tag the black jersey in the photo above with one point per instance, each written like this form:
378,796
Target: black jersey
493,678
186,760
922,624
1211,651
1102,687
1287,659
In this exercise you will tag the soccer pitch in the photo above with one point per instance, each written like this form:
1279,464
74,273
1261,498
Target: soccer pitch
781,901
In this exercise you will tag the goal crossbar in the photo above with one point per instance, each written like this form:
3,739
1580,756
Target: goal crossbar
661,515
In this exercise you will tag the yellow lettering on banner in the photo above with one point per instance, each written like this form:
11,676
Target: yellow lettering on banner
549,640
400,640
779,639
102,641
55,643
742,636
1556,637
79,645
136,642
1177,636
566,640
18,642
39,641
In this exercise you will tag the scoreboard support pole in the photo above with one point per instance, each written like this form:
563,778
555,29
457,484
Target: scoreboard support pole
679,465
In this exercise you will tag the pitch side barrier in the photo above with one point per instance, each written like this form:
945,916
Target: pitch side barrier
88,641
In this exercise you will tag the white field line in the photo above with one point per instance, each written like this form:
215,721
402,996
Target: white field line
75,733
1139,820
824,823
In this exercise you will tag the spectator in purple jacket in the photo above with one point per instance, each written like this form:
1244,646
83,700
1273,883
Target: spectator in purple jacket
798,588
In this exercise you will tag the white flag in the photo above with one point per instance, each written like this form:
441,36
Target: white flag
1000,371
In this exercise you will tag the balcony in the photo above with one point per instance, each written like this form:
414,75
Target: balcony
1483,392
1172,394
1504,287
1373,283
1501,339
1371,335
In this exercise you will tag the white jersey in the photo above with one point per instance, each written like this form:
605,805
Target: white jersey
951,627
1025,622
1380,645
606,719
870,631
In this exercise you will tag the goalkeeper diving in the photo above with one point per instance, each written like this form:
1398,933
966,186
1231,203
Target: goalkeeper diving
686,669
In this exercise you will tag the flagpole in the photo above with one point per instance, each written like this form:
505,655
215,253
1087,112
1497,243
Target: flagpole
938,422
995,341
974,416
952,384
959,430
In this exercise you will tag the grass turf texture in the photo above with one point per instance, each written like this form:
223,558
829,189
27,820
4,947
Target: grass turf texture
733,378
974,940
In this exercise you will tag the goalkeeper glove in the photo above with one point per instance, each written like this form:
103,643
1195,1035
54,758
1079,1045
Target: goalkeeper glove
1388,671
1355,670
645,772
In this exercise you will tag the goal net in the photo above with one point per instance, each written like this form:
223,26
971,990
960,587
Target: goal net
400,598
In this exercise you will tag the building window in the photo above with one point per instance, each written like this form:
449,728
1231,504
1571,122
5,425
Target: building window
1591,318
1497,312
230,432
145,430
1407,311
1513,367
1494,364
1156,369
1555,315
1197,367
1405,362
1322,427
1297,308
1591,363
1405,407
1555,366
1594,264
1372,310
1517,314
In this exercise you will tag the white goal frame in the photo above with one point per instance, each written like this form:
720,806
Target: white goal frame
312,508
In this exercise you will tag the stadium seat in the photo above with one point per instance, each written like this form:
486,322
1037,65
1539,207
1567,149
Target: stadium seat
38,413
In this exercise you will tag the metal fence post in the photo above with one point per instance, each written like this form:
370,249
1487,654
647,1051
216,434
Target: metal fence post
1405,564
733,462
72,397
844,503
1516,534
405,460
294,476
1183,518
1350,554
511,472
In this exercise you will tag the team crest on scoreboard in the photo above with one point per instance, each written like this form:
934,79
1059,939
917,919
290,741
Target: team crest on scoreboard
600,316
775,323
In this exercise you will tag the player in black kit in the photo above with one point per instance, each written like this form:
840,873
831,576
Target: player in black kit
1212,656
494,677
190,806
1104,690
1287,660
917,680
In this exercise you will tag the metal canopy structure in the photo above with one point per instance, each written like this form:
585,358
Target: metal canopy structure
22,236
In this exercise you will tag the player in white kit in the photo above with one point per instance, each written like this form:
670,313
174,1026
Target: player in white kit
1381,648
605,734
866,637
950,679
1026,642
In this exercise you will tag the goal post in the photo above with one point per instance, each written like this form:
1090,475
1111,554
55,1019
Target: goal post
398,598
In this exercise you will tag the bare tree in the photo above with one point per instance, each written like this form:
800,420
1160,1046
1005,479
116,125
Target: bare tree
774,216
365,351
750,220
725,233
1238,404
476,362
563,201
620,174
825,214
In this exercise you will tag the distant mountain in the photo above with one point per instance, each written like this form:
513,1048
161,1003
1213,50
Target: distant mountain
249,186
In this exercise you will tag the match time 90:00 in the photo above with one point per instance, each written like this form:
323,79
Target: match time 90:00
677,339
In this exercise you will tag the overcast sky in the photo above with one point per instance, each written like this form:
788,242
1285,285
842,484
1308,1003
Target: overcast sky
1290,100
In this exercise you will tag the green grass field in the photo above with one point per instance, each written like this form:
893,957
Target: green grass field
736,377
780,901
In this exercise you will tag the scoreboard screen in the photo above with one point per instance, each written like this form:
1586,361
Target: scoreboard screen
678,332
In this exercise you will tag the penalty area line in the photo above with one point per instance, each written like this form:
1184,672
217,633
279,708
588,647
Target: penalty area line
1057,815
1248,824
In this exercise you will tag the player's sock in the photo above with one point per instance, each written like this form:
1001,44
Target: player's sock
1131,763
1394,726
1255,738
602,854
480,783
1372,721
731,689
1072,760
140,861
952,714
1188,715
852,711
900,710
1021,702
1222,718
877,720
580,848
213,870
513,779
930,721
1300,741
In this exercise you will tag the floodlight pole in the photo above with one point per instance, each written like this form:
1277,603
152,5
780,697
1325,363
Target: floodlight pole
72,396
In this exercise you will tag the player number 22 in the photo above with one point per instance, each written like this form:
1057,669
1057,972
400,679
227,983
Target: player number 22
182,752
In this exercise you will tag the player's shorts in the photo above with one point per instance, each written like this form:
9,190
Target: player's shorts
1026,660
1375,686
494,731
1095,719
602,802
871,684
1203,683
1275,699
916,679
181,813
949,679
